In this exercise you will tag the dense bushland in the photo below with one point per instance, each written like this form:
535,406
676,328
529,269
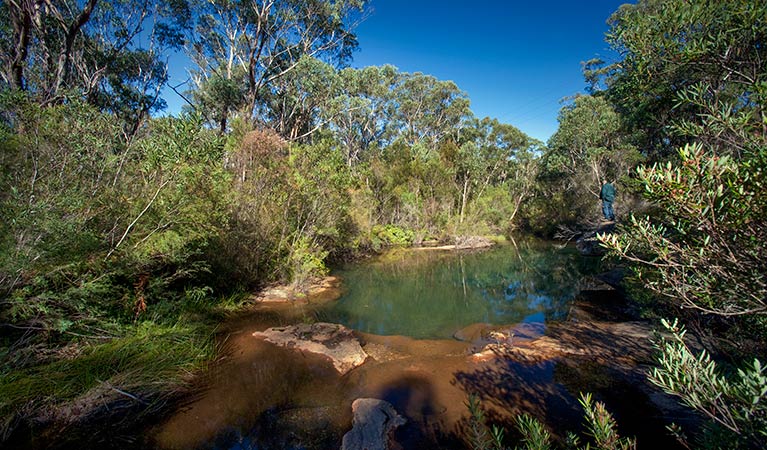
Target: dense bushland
687,96
107,239
124,238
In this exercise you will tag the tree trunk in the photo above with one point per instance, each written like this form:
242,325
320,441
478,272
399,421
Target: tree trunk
63,66
21,17
222,122
464,199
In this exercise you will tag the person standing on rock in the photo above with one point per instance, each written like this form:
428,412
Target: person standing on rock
607,194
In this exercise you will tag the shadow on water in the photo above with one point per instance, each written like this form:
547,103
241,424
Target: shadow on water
514,387
413,397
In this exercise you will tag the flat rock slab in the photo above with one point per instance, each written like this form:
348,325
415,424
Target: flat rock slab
333,341
472,242
485,333
619,343
326,288
374,421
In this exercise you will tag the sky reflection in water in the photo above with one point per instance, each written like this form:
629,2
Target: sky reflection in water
433,294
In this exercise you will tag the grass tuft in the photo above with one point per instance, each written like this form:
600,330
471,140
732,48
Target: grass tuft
151,361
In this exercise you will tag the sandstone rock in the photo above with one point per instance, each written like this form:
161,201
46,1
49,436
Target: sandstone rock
322,289
616,342
481,334
333,341
588,245
374,421
470,242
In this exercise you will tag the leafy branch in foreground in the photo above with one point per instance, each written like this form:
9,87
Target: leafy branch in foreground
735,405
704,250
534,435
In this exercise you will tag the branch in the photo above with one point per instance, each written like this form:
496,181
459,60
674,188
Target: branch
127,230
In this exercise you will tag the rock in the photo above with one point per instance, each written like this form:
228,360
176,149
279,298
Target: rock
472,333
481,334
461,243
616,342
374,421
322,289
470,242
588,245
594,283
330,340
613,278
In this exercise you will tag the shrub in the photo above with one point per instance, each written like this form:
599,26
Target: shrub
705,248
383,235
735,405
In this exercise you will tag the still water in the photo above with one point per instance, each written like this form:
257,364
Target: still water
432,294
408,307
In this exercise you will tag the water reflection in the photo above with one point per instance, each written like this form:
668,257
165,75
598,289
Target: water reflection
429,294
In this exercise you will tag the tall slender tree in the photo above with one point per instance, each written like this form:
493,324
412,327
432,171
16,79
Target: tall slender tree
253,43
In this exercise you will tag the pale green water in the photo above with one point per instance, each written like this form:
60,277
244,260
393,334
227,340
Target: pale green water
433,294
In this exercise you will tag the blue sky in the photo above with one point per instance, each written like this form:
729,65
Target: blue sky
515,59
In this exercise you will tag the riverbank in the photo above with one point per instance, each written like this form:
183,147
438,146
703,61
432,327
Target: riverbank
275,397
255,389
52,391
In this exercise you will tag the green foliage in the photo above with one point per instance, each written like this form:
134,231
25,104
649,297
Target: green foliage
270,74
290,209
669,47
391,235
602,427
534,434
600,424
151,362
480,437
734,404
692,78
704,249
100,235
109,54
588,147
307,262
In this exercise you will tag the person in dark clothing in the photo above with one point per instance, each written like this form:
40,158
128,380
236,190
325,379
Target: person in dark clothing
607,194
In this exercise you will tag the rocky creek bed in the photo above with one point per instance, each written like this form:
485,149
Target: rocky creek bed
278,388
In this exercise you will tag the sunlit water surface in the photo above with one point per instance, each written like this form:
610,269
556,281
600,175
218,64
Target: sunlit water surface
432,294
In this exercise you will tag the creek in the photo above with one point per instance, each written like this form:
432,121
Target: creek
432,294
422,316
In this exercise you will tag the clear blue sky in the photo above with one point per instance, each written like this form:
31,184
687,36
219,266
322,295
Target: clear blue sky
515,59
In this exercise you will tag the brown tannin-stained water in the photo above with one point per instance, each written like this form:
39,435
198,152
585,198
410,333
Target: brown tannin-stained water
267,397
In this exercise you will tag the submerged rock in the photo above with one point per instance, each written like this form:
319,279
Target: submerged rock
374,421
604,342
330,340
588,245
481,334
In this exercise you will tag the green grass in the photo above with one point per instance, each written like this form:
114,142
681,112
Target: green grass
150,361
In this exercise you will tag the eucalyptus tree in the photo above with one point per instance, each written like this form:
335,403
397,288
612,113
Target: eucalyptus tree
252,43
298,104
362,114
667,48
494,154
109,53
589,146
428,110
